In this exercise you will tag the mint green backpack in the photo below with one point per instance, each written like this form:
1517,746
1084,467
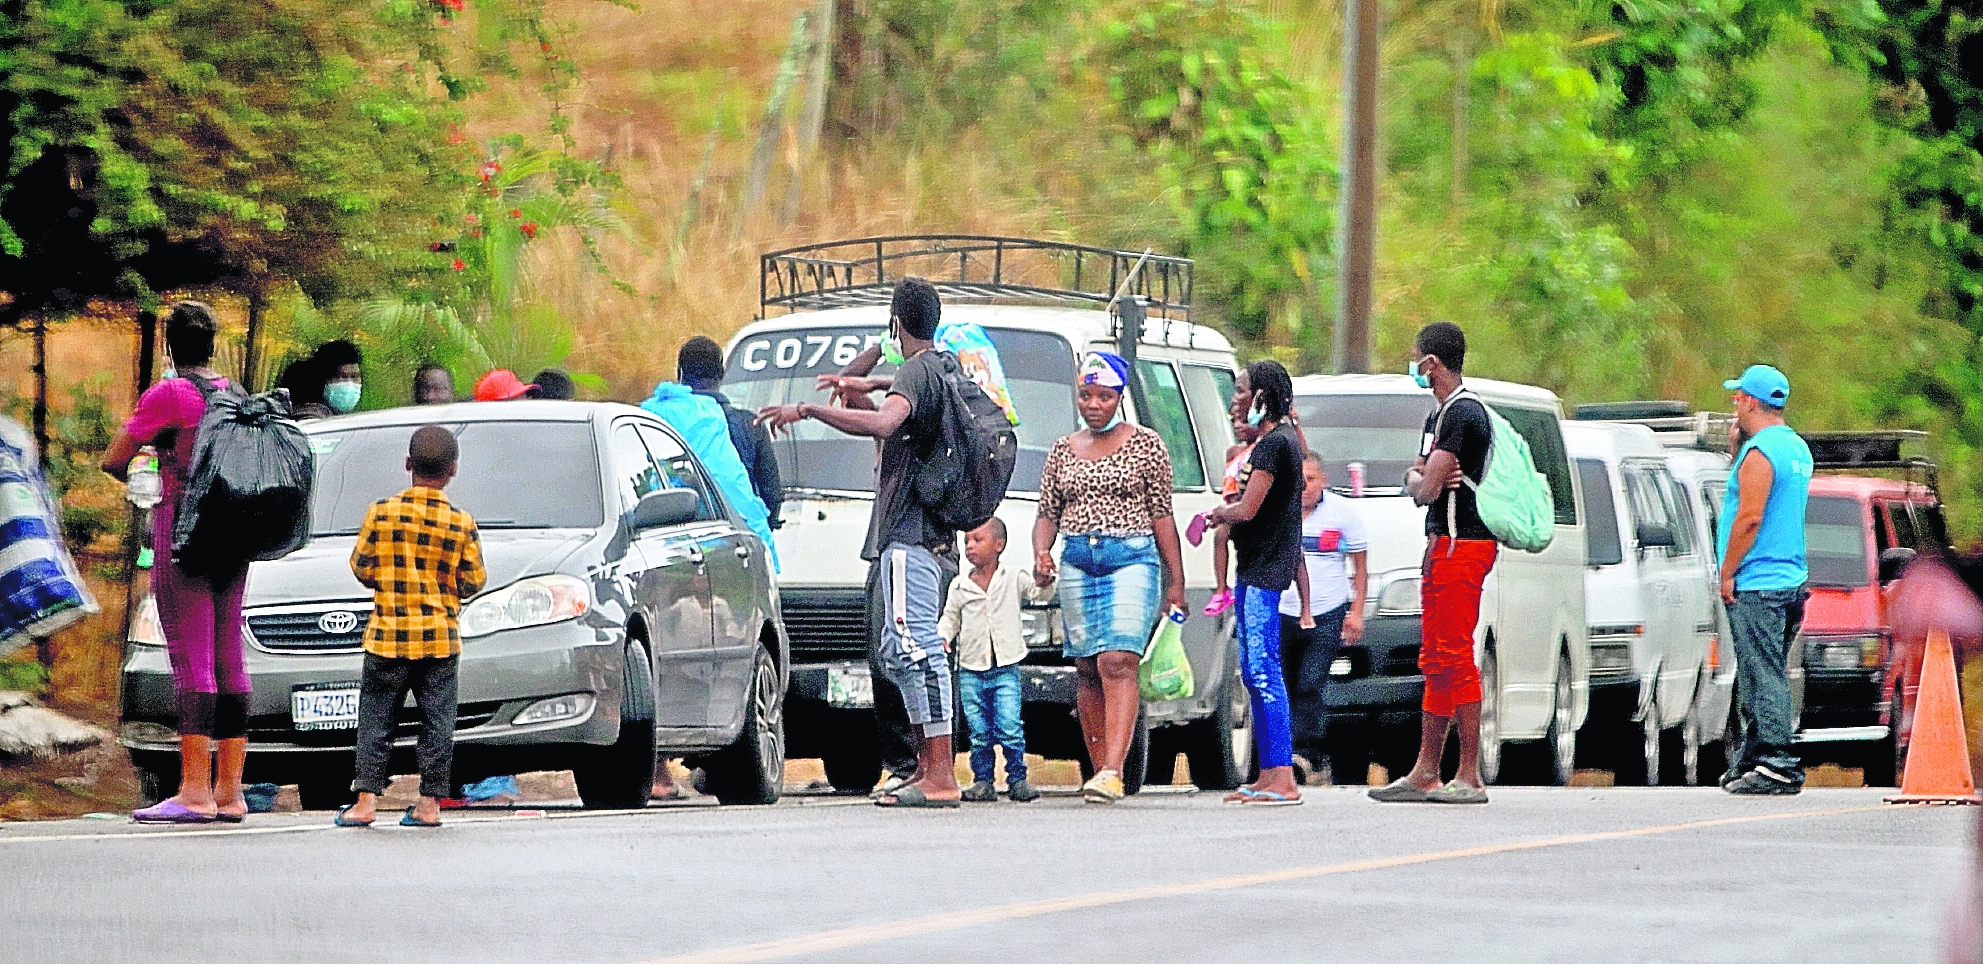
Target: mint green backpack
1513,498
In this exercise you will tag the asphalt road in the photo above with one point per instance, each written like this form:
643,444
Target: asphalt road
1622,874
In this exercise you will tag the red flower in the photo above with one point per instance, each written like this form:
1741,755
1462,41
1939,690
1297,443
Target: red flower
459,265
455,136
544,47
529,229
516,212
478,232
471,219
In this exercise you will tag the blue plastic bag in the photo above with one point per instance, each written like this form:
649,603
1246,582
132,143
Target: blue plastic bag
701,424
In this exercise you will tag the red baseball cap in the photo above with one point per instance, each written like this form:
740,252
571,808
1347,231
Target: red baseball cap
502,385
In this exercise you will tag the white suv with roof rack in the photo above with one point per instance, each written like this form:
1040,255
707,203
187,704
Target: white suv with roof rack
1043,305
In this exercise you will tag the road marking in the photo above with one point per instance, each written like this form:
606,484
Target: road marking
210,830
836,939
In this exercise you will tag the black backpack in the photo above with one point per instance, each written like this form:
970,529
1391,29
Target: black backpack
248,482
971,456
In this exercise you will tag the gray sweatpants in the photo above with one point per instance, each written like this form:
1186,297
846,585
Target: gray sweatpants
911,649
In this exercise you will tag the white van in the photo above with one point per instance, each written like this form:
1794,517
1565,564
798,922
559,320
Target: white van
1650,604
1533,659
1704,735
1041,304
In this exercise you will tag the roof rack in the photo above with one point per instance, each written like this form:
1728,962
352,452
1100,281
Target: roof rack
1672,422
971,268
1876,449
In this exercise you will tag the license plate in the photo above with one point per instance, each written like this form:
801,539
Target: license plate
850,688
324,706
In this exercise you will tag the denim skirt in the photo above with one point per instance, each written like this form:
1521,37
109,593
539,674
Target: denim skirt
1110,587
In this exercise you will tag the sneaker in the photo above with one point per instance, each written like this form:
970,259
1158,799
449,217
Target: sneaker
1763,782
1221,601
981,792
1022,792
1104,787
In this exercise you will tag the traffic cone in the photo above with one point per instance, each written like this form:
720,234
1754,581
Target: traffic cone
1938,754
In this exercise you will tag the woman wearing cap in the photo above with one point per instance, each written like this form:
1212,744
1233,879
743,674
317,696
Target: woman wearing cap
199,614
1108,487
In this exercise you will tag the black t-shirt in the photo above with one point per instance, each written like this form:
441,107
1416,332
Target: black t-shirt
898,514
1269,544
1466,433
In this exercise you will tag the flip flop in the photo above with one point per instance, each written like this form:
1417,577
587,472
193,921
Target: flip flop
1399,791
170,811
1194,531
1267,798
412,821
340,820
223,816
913,797
1456,792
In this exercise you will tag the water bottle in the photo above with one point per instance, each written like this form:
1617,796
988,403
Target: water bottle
143,486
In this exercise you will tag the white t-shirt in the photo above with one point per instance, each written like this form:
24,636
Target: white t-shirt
1328,535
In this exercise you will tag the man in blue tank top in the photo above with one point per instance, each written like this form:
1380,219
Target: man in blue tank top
1762,579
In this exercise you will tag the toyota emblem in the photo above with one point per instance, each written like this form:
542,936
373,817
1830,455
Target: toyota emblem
338,623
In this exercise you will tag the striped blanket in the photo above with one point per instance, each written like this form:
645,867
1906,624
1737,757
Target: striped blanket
40,589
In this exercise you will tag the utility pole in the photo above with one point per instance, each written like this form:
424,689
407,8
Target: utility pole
1359,178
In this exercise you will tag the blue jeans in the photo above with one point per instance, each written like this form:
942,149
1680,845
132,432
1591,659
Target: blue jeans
1259,632
1306,656
991,710
1110,587
1764,621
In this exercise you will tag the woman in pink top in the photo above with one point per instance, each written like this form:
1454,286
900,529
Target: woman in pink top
201,616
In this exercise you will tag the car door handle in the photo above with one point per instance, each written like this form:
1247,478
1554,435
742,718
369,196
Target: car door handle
695,556
743,552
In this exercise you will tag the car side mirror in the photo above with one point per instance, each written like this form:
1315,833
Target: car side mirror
666,507
1652,535
1893,561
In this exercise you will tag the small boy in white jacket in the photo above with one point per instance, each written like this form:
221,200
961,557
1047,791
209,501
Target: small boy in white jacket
980,623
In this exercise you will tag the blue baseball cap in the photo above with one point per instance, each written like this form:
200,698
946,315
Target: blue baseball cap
1762,383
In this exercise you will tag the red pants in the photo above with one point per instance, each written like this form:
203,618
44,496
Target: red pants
1455,570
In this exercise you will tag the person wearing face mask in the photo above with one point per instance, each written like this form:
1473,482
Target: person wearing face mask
1460,552
1107,487
340,363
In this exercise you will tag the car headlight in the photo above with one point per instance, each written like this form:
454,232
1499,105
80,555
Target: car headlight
1843,652
1400,598
146,630
526,602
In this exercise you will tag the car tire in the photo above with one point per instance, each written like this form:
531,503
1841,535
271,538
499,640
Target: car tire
752,770
1493,762
853,764
1552,760
620,776
325,791
1646,768
1219,747
1885,760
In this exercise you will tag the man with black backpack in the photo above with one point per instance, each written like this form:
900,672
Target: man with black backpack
911,544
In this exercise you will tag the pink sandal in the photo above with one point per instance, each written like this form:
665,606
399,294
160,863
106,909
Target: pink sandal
1221,601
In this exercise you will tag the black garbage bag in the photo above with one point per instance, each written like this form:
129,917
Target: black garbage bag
248,482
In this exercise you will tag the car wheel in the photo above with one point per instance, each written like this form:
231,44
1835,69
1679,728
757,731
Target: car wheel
852,763
620,776
752,770
1646,773
1490,716
1691,750
1562,736
325,791
1886,759
1219,748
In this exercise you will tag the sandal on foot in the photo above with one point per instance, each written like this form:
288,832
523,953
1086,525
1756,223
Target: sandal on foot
170,811
1268,798
1457,792
412,821
912,797
1399,791
343,821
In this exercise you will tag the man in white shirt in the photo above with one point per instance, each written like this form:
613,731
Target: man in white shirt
980,622
1333,547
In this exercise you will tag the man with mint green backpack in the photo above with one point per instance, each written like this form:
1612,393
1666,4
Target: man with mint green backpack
1763,573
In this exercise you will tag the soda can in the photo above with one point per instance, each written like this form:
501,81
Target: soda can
1356,480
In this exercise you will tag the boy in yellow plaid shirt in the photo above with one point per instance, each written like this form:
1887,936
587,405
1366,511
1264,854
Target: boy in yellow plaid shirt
421,557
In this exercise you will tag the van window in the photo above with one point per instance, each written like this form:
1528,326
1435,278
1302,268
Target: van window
1545,440
1930,527
1209,391
1381,431
1642,491
678,471
1601,544
1835,542
780,368
1172,421
1681,510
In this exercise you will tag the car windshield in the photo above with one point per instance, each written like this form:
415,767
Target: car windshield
1381,431
512,475
778,368
1835,542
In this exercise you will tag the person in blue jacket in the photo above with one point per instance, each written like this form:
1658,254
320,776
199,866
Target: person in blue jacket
701,423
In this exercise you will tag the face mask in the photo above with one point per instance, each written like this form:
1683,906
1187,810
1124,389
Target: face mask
891,347
1421,380
1256,415
342,395
1113,422
169,372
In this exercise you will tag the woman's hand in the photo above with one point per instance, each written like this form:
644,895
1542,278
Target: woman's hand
1174,596
1044,568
